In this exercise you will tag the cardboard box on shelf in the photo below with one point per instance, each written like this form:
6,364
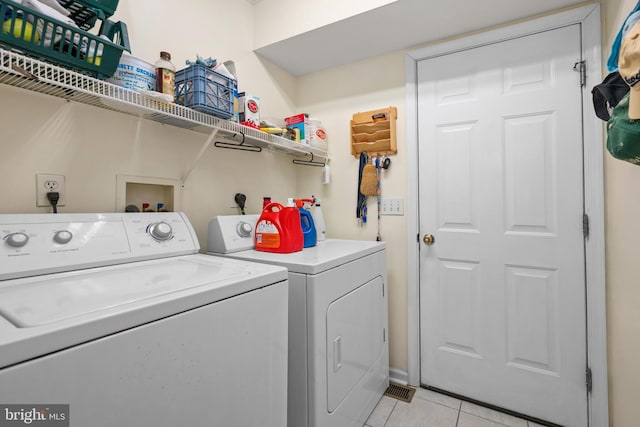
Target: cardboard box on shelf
300,122
249,109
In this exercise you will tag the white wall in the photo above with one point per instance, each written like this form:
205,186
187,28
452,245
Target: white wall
90,146
211,28
276,20
334,96
623,281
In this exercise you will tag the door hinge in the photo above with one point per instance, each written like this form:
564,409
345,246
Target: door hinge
585,225
384,335
589,380
581,67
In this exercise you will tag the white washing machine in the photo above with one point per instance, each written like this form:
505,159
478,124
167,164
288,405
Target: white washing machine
338,347
119,317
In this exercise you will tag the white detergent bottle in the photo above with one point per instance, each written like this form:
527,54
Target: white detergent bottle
318,220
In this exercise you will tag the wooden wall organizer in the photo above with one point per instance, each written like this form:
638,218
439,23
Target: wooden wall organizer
374,132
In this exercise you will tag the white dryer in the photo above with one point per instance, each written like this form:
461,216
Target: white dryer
119,317
338,345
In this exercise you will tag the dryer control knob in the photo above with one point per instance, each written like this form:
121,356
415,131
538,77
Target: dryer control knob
160,231
244,229
17,240
62,237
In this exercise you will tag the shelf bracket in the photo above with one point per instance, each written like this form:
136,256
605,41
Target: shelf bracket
212,135
310,162
238,145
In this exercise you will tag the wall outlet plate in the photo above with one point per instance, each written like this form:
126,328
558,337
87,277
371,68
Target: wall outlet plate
46,183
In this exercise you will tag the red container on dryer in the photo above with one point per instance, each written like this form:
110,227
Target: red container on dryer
278,229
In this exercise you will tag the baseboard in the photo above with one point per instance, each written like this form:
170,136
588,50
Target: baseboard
398,376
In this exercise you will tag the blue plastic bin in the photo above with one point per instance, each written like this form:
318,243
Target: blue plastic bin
205,90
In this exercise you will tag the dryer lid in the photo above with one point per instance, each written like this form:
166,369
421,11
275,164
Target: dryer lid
327,254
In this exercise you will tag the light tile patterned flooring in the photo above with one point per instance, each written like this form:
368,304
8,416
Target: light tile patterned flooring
431,409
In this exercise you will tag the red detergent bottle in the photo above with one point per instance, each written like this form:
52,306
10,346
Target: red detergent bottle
278,229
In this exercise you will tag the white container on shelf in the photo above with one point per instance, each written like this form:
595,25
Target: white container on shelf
134,73
317,134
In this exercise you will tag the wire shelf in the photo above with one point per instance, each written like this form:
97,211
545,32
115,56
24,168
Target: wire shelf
32,74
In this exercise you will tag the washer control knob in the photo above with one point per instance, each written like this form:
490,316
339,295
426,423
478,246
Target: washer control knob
160,231
244,229
17,240
62,237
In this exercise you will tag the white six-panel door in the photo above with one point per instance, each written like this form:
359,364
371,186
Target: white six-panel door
502,287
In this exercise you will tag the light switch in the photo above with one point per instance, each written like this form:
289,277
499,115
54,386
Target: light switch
391,206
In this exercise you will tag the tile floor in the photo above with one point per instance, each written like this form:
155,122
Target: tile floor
431,409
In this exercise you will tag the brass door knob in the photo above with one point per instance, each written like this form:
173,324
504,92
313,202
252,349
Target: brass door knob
428,239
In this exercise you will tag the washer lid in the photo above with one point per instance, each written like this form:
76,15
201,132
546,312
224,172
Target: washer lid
325,255
46,299
43,314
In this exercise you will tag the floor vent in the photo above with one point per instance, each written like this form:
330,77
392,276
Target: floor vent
400,392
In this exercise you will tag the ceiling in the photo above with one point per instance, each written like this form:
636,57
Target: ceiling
396,26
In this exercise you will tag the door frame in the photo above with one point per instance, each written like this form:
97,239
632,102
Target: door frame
589,18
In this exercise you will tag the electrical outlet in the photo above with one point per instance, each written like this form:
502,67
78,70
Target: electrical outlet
46,183
391,206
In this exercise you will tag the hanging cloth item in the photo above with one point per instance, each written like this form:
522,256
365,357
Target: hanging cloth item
607,94
623,134
368,183
632,18
378,194
362,199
